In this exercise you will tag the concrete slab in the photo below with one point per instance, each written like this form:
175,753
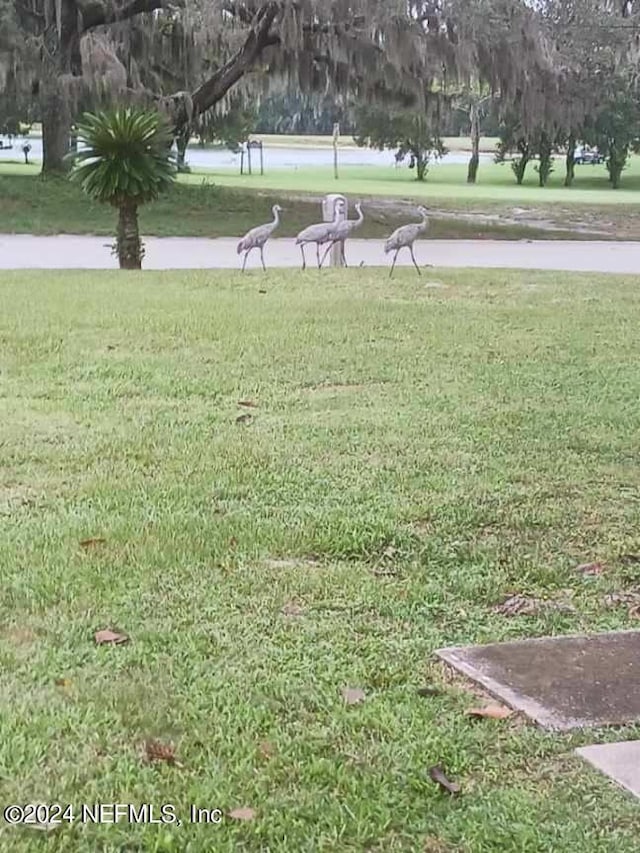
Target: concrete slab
560,682
620,761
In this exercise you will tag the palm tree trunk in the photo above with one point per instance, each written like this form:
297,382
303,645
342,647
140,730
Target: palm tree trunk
129,245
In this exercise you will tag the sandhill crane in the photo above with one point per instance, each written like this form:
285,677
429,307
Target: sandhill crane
319,234
258,236
405,236
342,231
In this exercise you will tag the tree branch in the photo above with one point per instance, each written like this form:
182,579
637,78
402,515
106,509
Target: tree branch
98,14
216,87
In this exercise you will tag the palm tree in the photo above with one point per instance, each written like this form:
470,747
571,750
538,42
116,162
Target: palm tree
125,160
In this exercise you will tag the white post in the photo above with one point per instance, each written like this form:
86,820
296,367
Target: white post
328,212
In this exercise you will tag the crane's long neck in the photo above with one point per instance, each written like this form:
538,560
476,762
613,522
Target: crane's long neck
276,217
424,222
360,218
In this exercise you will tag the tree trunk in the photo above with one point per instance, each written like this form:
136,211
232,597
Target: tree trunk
475,145
129,245
616,162
56,129
421,165
570,161
182,141
519,168
61,49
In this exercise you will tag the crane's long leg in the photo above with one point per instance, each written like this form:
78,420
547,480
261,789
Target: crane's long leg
324,257
413,258
395,258
246,255
262,258
318,254
344,257
304,260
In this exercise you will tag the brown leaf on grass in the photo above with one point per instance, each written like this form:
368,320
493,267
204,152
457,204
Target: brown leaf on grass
110,346
157,751
438,775
244,420
634,611
590,569
629,559
492,712
248,404
107,635
233,542
93,542
63,682
266,749
292,609
242,813
353,695
262,291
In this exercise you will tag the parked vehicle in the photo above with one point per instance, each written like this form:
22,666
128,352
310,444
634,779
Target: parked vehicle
584,155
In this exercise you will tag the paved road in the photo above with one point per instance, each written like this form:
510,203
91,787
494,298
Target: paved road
69,252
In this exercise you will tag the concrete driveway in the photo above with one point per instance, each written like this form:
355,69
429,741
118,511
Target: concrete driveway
24,251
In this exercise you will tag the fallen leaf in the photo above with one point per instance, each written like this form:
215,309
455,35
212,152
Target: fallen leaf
106,635
233,542
244,419
353,695
634,611
628,559
428,691
493,712
262,291
292,609
589,569
157,751
266,749
110,346
437,774
63,682
93,542
243,813
248,404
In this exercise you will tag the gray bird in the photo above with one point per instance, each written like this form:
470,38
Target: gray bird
258,236
342,231
319,234
405,237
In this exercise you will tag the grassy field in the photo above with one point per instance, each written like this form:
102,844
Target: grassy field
446,182
201,208
418,450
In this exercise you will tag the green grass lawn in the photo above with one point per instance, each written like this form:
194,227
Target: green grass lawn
212,204
418,450
198,207
445,182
